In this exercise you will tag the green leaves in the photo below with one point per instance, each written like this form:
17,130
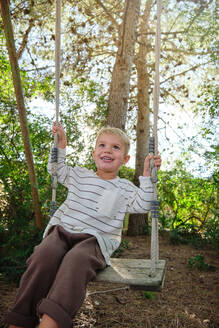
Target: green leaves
187,202
197,262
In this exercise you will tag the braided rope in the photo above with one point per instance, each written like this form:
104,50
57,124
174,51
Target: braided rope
54,156
153,147
57,55
156,91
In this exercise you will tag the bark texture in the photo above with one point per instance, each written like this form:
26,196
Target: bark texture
119,89
138,223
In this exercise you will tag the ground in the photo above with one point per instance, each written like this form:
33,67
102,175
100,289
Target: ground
189,298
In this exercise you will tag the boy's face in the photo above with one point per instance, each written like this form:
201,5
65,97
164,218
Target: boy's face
109,155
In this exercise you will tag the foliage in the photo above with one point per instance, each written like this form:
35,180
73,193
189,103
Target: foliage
211,233
188,206
126,172
182,236
205,143
148,295
13,169
197,262
15,251
17,227
93,94
186,199
125,244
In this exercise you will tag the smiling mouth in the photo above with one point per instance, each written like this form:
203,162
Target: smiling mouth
107,159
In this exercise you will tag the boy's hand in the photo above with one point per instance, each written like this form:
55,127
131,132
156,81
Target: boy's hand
157,162
58,128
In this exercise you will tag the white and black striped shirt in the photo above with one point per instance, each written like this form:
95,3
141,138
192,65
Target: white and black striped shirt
97,206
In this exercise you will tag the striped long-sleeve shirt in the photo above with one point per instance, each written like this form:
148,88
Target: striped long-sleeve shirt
97,206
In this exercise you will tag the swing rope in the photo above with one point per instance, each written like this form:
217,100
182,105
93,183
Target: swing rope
57,56
54,153
153,147
153,142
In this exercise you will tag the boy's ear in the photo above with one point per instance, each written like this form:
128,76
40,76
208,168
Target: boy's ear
126,159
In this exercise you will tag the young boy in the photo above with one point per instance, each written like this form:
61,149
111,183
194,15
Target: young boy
82,234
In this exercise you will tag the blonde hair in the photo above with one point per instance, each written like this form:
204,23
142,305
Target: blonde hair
117,132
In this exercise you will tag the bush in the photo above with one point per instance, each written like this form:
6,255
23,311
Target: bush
197,262
211,233
182,236
127,173
16,251
188,207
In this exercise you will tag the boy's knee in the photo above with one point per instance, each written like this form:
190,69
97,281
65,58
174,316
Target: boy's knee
84,263
45,256
81,257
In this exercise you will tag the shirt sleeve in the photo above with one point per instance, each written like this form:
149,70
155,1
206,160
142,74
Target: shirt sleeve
140,199
62,168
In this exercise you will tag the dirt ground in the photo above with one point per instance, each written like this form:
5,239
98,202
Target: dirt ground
189,298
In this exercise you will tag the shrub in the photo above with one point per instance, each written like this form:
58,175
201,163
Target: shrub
197,262
211,233
16,250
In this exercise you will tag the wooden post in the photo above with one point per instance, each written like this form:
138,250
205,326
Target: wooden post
5,12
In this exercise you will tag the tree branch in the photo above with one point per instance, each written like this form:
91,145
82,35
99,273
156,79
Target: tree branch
99,2
184,72
189,53
25,39
165,33
200,10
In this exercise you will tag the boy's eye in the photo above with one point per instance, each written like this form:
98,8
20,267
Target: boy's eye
101,145
116,147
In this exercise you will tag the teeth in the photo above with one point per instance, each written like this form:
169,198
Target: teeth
106,158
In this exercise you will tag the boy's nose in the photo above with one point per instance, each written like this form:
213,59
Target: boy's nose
107,149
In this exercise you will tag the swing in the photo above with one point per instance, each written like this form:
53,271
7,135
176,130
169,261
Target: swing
144,274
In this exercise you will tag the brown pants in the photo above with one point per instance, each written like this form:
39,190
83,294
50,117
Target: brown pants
56,278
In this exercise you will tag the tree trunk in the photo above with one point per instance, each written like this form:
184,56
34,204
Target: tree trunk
21,108
119,89
138,223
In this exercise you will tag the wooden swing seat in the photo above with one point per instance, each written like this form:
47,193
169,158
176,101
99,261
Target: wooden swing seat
135,273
